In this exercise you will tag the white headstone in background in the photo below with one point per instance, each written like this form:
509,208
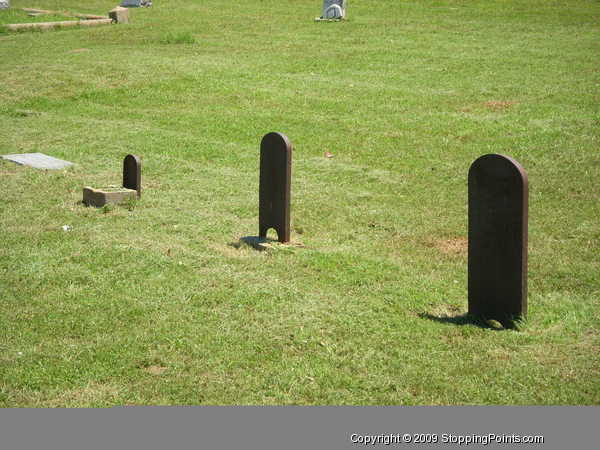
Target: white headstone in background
4,4
334,9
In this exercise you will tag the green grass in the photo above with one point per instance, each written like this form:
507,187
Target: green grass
159,303
178,38
15,15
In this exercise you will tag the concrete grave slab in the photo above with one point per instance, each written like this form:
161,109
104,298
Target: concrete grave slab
103,196
119,14
38,161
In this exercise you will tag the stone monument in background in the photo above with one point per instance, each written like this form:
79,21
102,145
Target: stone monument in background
4,4
333,10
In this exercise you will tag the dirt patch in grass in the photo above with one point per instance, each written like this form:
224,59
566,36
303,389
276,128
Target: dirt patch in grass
155,370
446,310
92,393
454,246
497,105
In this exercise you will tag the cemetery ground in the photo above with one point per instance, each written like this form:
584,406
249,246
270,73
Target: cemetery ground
159,302
15,15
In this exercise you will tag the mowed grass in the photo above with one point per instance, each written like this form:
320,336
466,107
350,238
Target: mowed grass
160,303
15,15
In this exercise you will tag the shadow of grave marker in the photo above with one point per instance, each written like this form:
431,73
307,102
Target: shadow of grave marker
132,186
497,261
275,186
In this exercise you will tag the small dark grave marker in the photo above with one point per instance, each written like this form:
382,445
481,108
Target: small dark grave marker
132,186
132,174
274,188
498,205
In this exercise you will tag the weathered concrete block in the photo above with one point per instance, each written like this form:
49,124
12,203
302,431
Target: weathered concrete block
103,196
119,15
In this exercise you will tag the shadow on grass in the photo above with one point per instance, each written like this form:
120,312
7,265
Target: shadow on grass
256,242
469,319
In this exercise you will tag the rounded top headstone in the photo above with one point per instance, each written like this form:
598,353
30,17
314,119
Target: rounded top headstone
334,12
497,166
275,139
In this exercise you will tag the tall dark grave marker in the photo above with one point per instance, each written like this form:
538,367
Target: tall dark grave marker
132,174
274,186
498,206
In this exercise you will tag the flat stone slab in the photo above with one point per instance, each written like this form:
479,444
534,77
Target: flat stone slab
38,161
102,196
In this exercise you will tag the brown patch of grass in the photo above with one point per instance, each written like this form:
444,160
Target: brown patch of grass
446,310
496,105
93,393
455,246
155,370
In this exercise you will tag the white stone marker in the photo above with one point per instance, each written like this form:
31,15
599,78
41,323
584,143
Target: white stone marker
334,9
4,4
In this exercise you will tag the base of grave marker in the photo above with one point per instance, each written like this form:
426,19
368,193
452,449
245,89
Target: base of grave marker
109,195
262,244
258,243
119,14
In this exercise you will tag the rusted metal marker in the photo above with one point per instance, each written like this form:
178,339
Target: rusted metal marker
498,205
132,173
274,186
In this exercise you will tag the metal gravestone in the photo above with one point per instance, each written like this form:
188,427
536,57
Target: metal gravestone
333,10
132,186
275,186
132,174
497,262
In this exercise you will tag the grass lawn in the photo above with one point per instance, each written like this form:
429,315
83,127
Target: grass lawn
16,15
158,302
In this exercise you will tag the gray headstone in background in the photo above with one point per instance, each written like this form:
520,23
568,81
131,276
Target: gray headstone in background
131,3
136,3
38,161
334,9
4,4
